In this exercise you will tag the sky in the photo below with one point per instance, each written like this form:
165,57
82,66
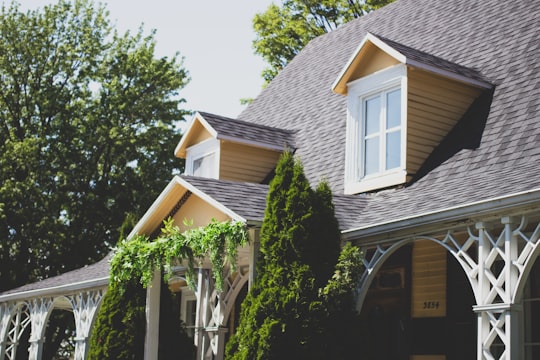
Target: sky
213,36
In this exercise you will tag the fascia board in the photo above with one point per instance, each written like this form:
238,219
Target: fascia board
180,148
251,143
404,60
56,290
171,190
176,189
450,214
448,74
375,41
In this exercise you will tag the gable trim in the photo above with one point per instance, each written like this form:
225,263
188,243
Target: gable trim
180,149
340,84
174,191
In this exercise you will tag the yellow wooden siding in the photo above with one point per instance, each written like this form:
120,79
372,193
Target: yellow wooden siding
199,134
373,59
428,287
434,106
246,163
199,212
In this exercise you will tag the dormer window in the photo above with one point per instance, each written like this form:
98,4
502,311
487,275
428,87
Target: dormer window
376,130
203,159
401,103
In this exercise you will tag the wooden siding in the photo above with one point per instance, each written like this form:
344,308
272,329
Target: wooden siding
434,106
199,134
199,212
372,59
246,163
428,287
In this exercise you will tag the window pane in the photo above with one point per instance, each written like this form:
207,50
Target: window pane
204,166
393,149
373,108
371,159
393,109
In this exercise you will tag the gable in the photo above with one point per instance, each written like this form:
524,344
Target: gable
434,96
197,131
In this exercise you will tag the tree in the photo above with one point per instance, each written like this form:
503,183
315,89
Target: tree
119,332
282,31
288,313
88,124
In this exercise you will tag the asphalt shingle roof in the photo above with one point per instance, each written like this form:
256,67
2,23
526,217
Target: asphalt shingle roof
246,199
299,108
231,128
502,47
95,271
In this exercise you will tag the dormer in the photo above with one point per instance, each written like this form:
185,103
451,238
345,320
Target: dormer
401,103
223,148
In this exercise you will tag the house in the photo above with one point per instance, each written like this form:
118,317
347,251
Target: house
424,117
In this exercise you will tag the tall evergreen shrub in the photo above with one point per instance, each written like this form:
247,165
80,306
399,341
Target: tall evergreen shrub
286,314
119,332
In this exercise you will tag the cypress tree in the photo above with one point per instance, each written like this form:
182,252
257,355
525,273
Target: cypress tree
119,332
284,316
120,326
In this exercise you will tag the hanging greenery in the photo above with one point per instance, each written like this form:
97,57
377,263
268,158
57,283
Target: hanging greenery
137,258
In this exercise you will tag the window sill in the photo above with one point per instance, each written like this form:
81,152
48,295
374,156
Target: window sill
376,182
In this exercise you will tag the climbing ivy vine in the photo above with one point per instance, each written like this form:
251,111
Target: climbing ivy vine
139,257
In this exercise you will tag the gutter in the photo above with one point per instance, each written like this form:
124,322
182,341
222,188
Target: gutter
446,215
56,290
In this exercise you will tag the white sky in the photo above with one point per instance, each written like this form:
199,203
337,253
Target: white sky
213,36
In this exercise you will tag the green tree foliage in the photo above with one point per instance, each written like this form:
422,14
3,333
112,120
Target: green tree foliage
288,313
87,129
119,331
283,30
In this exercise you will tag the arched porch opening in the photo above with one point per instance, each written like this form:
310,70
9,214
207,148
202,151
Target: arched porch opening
60,334
419,305
531,313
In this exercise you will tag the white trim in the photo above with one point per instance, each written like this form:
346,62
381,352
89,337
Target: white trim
152,309
171,191
200,150
375,41
251,143
189,127
448,74
404,60
453,213
57,290
385,80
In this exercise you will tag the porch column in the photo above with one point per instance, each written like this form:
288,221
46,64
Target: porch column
84,307
6,310
499,319
203,293
152,317
39,314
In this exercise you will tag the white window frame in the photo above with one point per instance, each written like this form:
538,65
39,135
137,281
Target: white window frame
187,296
358,91
200,150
